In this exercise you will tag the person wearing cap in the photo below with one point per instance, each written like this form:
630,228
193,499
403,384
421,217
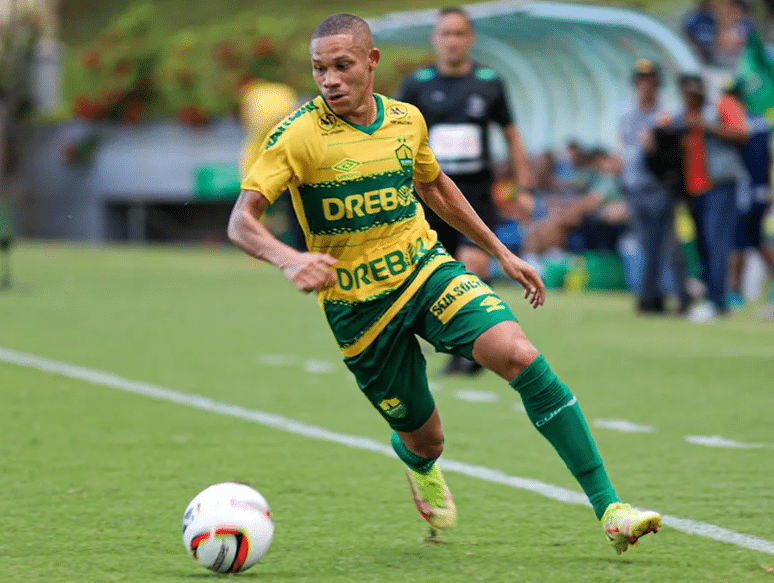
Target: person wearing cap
650,201
712,168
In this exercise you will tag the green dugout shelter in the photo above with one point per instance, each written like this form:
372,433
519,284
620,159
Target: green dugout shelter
567,66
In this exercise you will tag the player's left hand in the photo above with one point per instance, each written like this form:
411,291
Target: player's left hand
526,275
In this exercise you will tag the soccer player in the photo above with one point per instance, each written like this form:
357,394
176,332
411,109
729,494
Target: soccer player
459,99
355,162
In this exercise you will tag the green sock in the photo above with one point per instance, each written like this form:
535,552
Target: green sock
555,412
418,464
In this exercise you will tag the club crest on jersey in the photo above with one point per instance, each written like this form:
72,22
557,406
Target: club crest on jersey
393,408
406,159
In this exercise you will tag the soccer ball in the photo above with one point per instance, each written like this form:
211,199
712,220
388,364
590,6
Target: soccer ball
228,527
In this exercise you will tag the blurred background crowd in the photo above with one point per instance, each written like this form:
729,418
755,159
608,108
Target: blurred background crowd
135,122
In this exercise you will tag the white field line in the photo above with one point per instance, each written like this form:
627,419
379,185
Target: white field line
113,381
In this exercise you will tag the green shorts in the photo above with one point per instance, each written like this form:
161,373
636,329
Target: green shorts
450,310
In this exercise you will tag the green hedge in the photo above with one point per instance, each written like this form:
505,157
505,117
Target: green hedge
132,71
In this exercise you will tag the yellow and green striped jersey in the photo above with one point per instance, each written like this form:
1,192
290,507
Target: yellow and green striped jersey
352,190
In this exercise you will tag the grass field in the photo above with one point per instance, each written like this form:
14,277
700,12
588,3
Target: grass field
94,480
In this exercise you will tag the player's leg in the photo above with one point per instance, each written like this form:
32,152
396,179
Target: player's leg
757,240
556,414
391,372
741,241
419,450
465,316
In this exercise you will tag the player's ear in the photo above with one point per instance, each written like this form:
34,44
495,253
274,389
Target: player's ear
373,58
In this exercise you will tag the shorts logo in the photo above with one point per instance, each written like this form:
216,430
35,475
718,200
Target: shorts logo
460,292
393,408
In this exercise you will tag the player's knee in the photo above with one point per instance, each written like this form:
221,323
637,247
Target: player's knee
520,355
432,449
430,446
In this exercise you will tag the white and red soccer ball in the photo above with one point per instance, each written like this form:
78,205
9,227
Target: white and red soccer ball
228,527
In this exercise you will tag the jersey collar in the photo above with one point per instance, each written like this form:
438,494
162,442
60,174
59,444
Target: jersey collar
369,129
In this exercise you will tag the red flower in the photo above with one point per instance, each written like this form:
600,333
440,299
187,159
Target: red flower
184,76
89,109
91,59
133,110
191,115
263,47
123,68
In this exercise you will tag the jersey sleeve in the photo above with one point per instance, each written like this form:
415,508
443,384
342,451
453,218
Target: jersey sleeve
501,111
426,168
276,167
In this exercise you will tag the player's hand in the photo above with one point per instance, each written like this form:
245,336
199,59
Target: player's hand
311,272
526,275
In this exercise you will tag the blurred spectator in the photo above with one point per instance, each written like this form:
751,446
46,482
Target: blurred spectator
650,201
752,203
600,213
574,159
6,225
263,105
459,99
712,169
6,240
734,24
699,28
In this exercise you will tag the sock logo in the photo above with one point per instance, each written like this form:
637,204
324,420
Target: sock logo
393,408
553,414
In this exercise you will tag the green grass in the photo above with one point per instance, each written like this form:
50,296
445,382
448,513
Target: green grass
94,481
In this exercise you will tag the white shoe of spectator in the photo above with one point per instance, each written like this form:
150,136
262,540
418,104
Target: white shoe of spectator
702,313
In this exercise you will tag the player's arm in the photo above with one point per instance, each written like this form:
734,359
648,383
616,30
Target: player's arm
443,197
307,271
519,160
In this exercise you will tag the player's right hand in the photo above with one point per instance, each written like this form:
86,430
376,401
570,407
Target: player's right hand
311,272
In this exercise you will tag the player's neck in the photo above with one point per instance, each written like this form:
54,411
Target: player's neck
455,69
364,115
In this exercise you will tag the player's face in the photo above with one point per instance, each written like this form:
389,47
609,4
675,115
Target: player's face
453,38
344,72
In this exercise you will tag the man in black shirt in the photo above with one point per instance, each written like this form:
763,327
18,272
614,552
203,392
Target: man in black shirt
459,98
